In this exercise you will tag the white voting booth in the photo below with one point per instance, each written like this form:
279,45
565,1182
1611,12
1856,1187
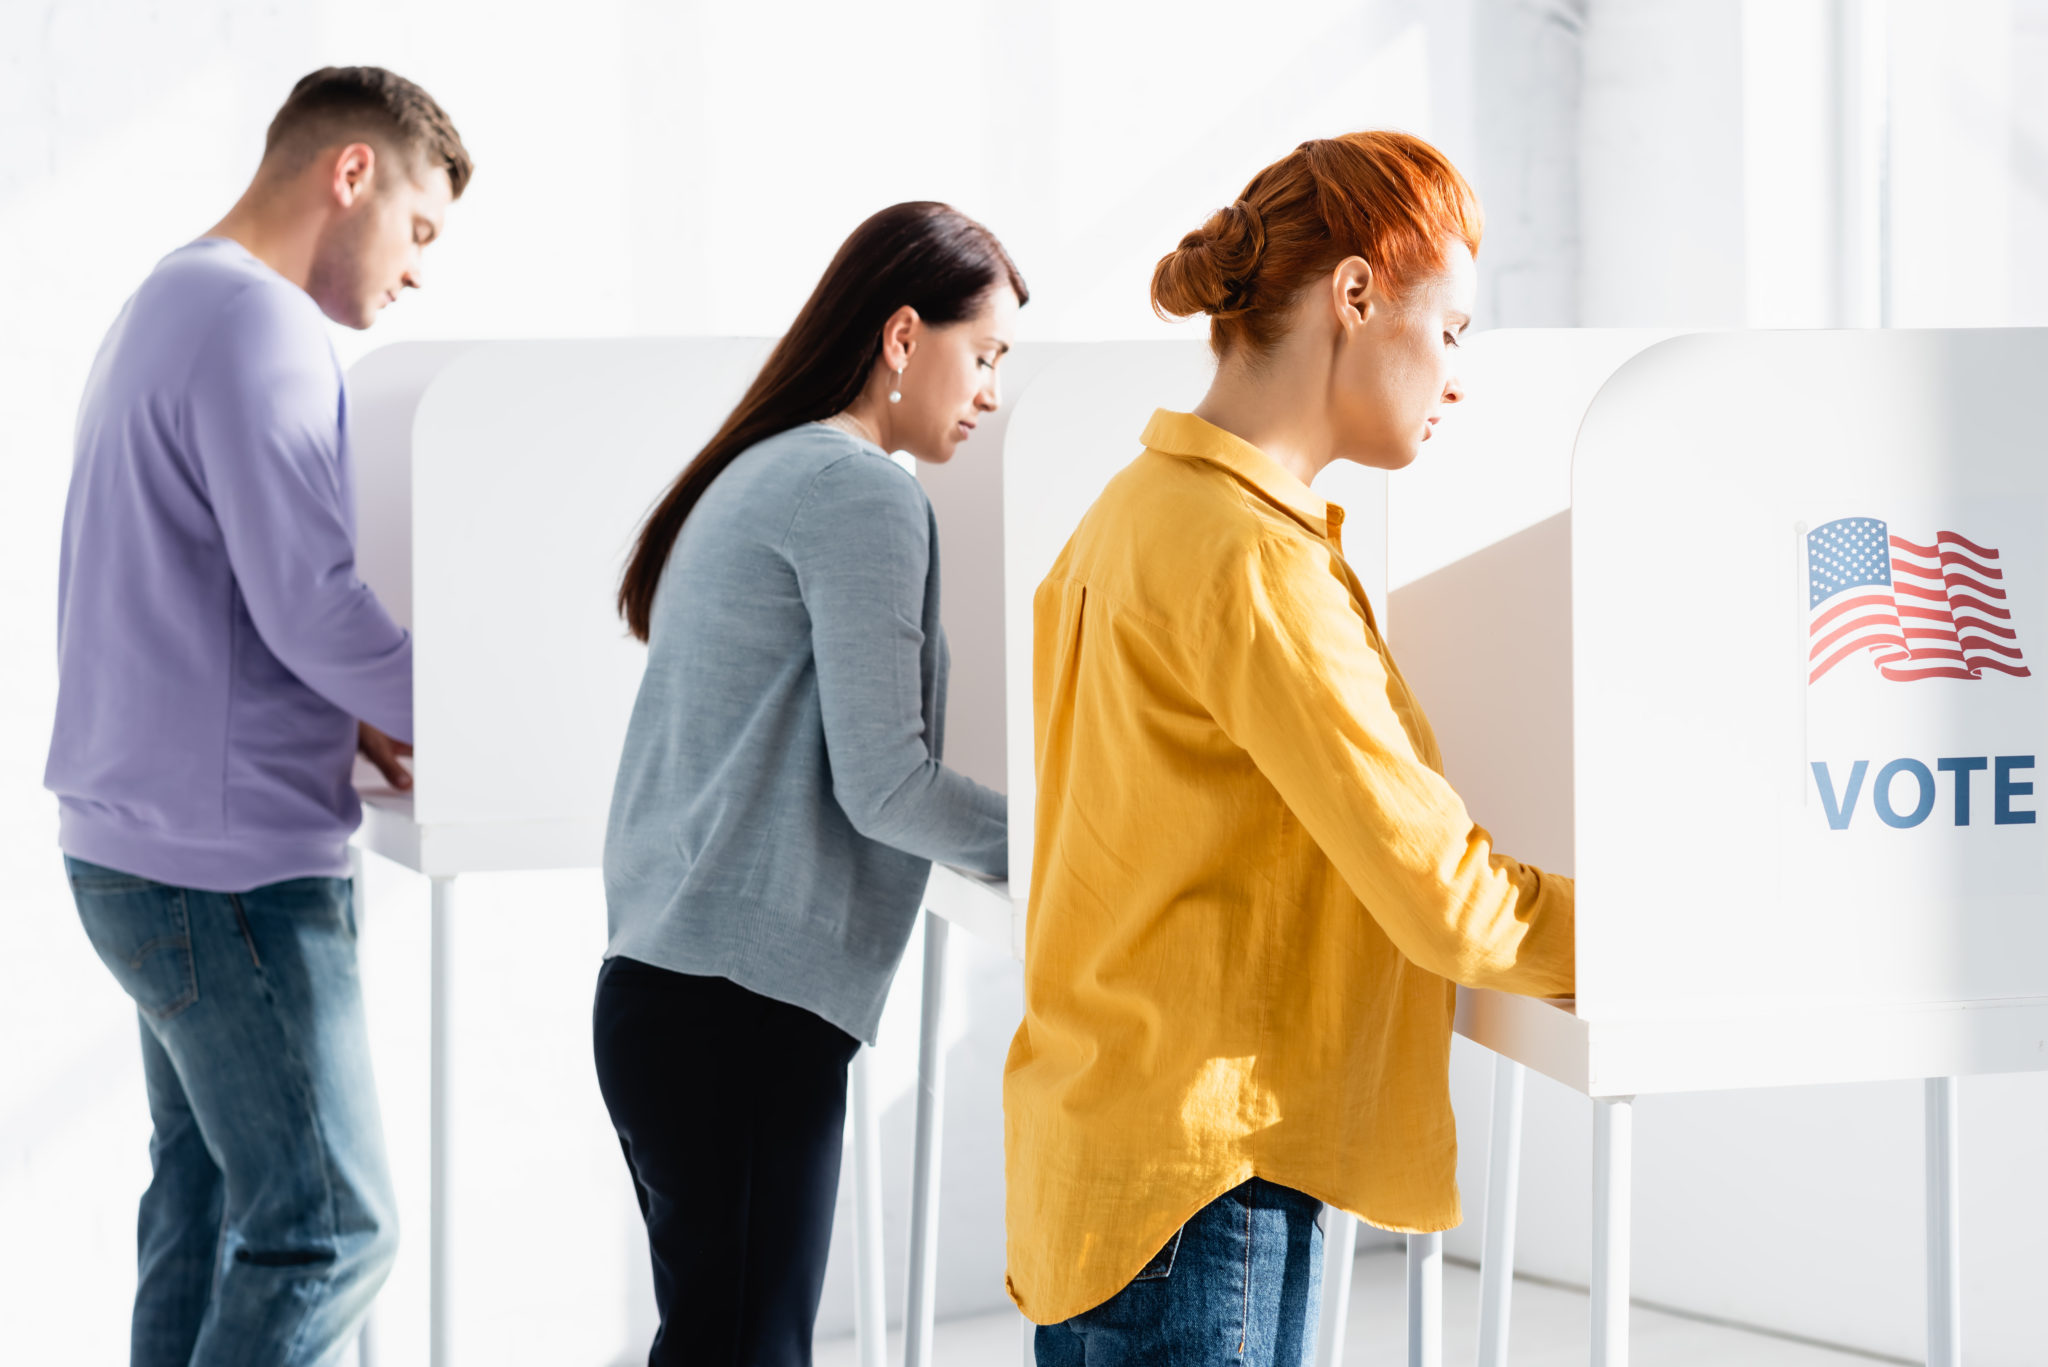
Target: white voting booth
1741,629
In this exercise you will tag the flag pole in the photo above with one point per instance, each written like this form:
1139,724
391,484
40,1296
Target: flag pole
1801,633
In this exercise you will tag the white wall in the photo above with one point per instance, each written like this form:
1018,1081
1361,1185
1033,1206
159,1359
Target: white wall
1526,74
1660,143
646,167
1704,201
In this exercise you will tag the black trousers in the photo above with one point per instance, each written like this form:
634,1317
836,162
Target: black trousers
730,1108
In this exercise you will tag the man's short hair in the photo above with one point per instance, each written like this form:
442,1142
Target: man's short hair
366,103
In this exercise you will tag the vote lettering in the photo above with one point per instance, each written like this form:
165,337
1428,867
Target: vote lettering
1906,792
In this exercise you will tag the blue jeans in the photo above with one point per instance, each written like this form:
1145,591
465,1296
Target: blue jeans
1242,1282
268,1224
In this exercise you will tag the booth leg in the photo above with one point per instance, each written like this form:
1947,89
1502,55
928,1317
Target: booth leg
918,1312
1503,1181
1611,1181
1425,1300
438,1232
1944,1227
870,1308
1340,1249
366,1337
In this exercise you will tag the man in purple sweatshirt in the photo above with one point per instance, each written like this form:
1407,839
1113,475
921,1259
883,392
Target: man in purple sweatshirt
220,662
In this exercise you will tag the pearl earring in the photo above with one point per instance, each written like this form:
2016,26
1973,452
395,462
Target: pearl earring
896,390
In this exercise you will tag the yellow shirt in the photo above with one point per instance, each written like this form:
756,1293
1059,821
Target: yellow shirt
1251,890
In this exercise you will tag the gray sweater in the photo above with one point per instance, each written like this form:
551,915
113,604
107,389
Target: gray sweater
781,800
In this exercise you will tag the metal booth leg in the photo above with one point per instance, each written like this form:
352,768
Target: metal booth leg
918,1309
1503,1182
440,932
1425,1300
1612,1117
1944,1227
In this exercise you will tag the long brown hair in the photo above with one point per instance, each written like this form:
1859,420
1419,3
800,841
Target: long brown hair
924,254
1388,197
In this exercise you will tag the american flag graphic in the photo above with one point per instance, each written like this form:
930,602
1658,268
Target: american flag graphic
1934,611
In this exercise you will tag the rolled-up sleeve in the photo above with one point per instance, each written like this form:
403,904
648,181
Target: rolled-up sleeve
860,543
1291,674
264,410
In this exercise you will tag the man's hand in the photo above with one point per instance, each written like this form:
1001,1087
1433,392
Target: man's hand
383,752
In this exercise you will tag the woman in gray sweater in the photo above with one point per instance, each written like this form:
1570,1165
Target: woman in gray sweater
781,799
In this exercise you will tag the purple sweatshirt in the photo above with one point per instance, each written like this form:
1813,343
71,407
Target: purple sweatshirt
215,644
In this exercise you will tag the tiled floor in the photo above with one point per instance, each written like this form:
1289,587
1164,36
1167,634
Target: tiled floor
1549,1331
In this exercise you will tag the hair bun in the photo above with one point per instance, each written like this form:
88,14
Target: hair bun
1388,197
1216,267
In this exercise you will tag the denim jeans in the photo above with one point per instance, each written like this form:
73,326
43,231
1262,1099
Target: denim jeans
268,1224
1242,1282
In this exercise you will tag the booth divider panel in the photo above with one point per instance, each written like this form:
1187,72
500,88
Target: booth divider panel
1760,830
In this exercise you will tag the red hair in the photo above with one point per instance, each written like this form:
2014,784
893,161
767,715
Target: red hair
1390,198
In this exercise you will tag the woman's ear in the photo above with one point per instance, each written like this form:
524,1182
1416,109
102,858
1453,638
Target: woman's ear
900,336
1351,291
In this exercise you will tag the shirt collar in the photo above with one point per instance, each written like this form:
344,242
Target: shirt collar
1184,434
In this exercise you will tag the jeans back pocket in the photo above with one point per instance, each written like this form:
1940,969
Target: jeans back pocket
1161,1266
142,932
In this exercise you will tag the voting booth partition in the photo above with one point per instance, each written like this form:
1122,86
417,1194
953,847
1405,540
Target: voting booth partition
1739,628
1777,643
499,489
500,486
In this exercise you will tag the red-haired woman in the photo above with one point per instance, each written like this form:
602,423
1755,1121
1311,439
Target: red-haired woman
781,795
1253,888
